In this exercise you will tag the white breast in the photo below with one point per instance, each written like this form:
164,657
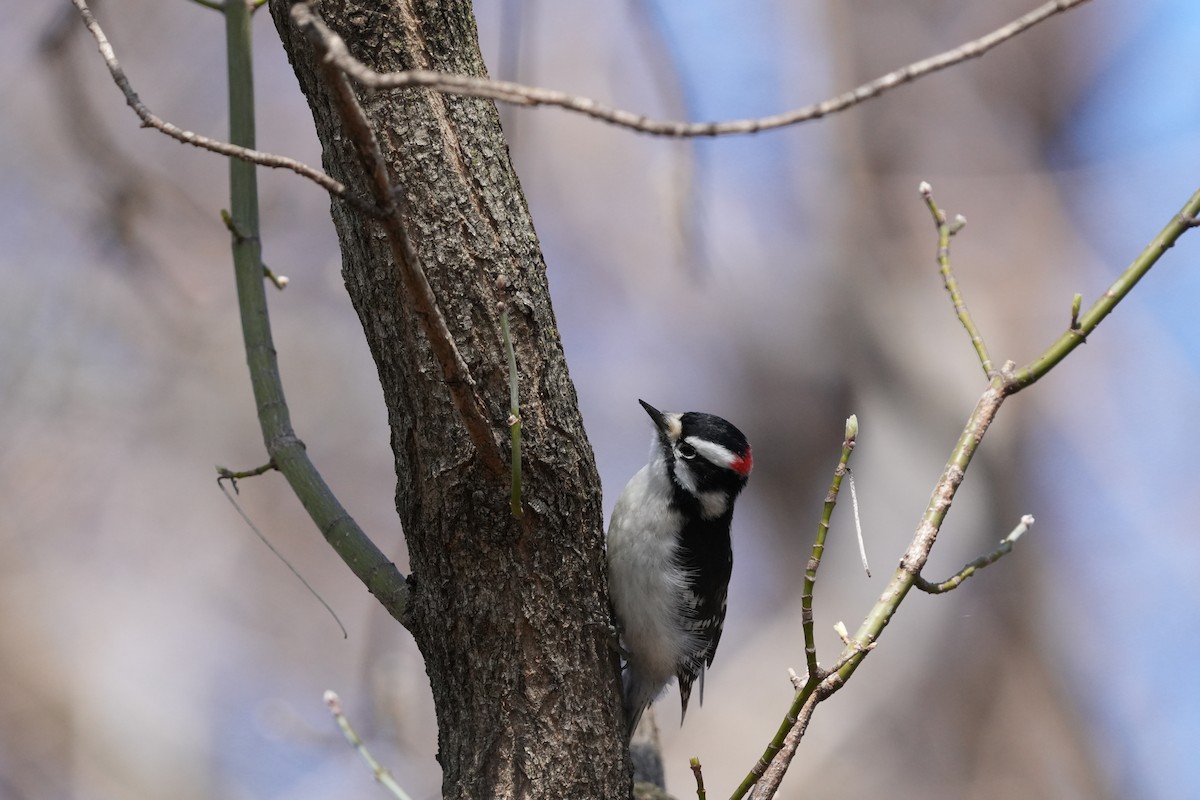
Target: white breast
645,580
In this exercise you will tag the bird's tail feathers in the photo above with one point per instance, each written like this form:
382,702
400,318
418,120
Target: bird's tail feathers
639,694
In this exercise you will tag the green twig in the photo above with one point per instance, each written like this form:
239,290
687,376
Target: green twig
514,416
381,773
285,449
815,674
1075,336
240,236
226,474
698,772
818,548
945,230
953,582
280,282
809,694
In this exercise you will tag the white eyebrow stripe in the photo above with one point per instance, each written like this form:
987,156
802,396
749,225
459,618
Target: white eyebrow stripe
713,452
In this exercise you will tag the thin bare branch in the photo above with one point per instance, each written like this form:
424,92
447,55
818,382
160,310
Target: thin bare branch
955,580
818,549
233,476
380,773
814,676
358,128
262,537
520,94
1083,325
151,120
946,230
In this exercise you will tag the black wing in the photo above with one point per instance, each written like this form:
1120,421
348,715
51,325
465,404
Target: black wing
706,556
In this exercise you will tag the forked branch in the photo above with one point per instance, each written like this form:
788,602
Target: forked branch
1006,381
946,229
782,746
151,120
1005,547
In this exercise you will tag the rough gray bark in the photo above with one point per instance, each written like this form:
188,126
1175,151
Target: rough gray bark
510,615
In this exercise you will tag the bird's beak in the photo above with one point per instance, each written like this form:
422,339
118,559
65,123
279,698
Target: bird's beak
661,420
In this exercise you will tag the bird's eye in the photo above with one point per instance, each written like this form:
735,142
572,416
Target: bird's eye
686,451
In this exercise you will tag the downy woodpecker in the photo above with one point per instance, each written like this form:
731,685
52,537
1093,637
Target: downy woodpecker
670,557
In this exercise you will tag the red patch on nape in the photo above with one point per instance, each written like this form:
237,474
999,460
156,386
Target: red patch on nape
743,463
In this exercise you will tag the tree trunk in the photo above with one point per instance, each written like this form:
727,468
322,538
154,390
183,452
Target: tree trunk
510,614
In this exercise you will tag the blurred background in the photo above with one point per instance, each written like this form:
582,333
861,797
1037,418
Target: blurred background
151,646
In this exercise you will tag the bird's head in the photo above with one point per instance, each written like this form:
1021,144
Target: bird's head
708,459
